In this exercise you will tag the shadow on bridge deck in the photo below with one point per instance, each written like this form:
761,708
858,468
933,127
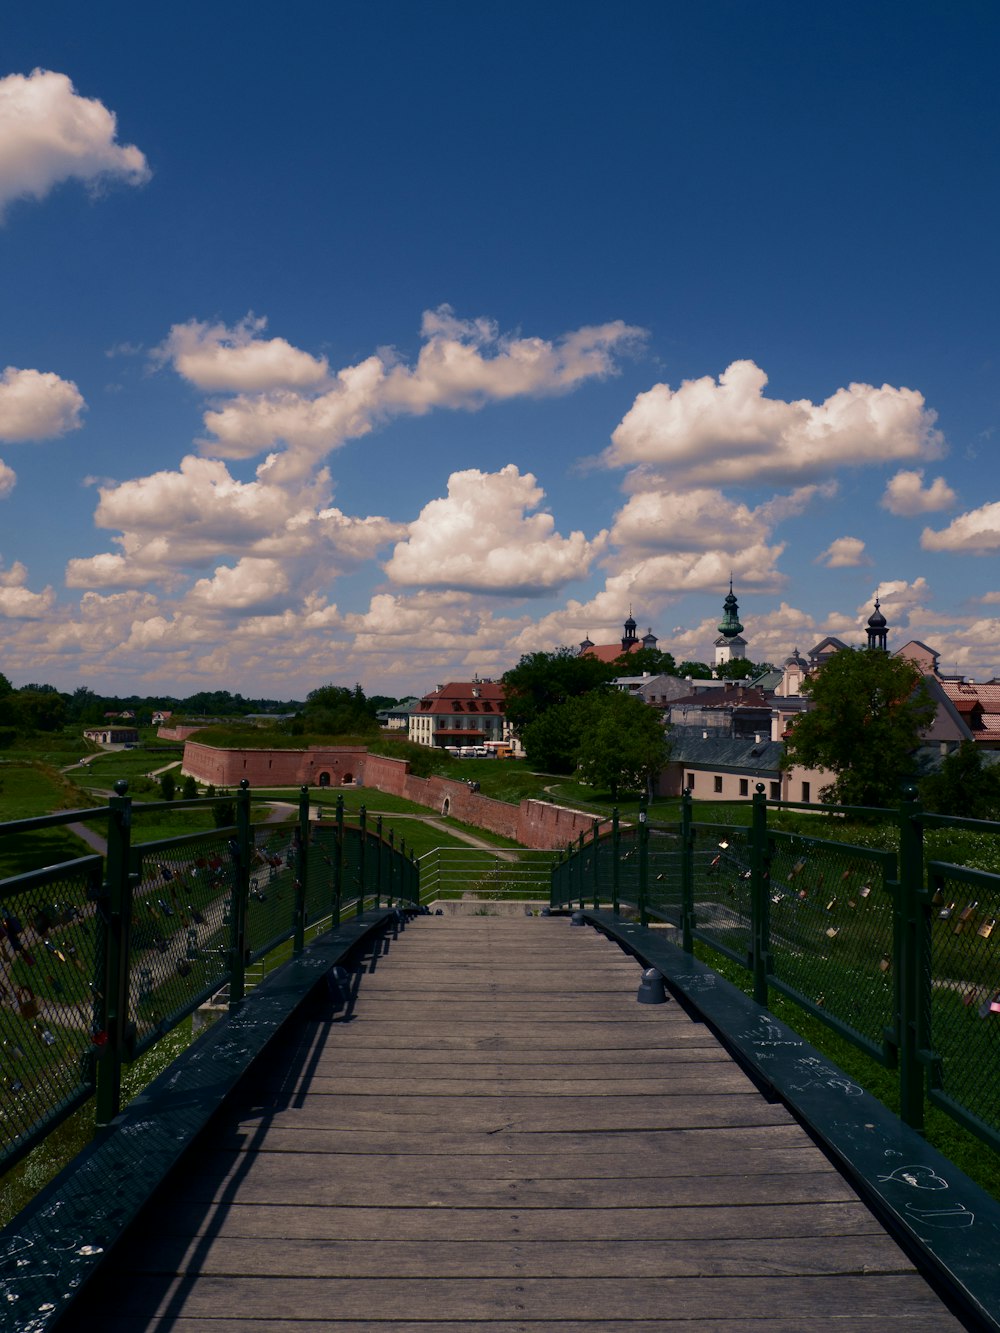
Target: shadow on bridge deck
500,1138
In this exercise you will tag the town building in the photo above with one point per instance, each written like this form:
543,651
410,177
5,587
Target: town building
397,718
629,643
112,735
461,715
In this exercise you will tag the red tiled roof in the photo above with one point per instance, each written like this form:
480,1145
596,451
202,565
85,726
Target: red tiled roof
610,652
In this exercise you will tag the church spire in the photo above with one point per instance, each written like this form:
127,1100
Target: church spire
729,625
877,629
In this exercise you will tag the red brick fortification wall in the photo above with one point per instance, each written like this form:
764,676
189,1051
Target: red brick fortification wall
175,733
537,824
541,824
275,768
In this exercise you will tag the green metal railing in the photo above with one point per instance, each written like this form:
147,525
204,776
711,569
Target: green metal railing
484,874
102,956
896,952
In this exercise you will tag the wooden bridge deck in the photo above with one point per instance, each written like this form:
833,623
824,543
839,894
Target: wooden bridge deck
501,1139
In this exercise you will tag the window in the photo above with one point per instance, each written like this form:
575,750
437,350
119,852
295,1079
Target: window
805,792
775,791
717,783
689,781
744,786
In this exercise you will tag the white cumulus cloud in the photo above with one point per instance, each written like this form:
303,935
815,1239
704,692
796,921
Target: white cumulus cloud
655,520
483,537
250,584
172,521
462,364
726,432
37,405
974,533
17,601
844,553
8,480
906,495
214,357
49,133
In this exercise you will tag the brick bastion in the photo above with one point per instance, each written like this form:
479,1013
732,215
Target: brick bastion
537,824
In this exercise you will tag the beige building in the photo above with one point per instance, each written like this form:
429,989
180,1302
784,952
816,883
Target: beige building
461,715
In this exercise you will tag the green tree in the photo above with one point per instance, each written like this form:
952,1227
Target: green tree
552,740
189,788
741,668
224,813
168,786
652,660
867,715
38,708
6,701
542,680
964,785
334,710
696,670
624,745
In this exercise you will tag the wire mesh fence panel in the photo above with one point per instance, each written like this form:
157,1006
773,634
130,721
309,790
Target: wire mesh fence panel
52,1010
721,879
321,877
180,932
964,960
270,914
831,933
629,887
603,885
353,864
663,894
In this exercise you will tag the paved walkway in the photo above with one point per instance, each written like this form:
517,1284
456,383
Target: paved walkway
501,1140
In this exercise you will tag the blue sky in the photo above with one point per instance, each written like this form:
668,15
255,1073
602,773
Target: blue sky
388,342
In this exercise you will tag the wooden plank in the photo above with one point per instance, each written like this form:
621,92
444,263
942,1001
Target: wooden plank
706,1224
310,1258
889,1298
285,1178
802,1322
678,1146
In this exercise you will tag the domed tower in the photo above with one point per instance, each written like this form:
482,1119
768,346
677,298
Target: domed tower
878,629
730,642
629,637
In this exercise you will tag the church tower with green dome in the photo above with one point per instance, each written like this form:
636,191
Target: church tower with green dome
730,643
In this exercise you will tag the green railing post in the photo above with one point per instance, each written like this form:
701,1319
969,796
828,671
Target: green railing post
241,849
911,964
595,847
414,879
760,901
391,869
117,924
643,861
616,847
687,872
301,873
362,849
338,862
580,884
378,861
